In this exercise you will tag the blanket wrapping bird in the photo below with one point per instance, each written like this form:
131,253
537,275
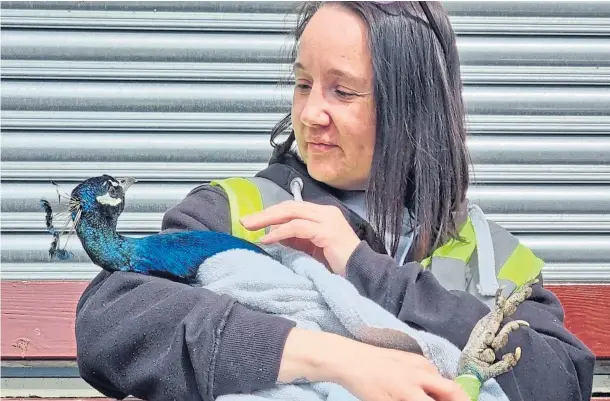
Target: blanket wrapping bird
298,287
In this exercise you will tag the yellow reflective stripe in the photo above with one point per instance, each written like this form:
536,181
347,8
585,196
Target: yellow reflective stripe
244,199
426,262
456,249
521,266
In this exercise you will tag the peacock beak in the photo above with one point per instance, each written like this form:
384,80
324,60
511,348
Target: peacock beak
126,182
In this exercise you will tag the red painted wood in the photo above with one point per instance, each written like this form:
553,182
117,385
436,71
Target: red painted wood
587,309
38,317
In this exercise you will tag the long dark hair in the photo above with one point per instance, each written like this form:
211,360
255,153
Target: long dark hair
421,139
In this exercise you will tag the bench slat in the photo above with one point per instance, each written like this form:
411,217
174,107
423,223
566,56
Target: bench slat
38,317
587,314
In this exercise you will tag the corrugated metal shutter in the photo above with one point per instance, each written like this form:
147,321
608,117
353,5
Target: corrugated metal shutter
176,94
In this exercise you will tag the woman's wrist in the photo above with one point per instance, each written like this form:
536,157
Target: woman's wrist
344,254
311,356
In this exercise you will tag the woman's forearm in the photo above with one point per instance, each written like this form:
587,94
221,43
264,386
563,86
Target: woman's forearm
364,370
413,294
308,356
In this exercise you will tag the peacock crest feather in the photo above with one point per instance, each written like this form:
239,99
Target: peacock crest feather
71,212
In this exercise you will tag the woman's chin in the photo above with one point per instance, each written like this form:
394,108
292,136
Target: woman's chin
320,173
332,178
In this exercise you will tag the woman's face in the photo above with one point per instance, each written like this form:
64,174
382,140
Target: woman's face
333,110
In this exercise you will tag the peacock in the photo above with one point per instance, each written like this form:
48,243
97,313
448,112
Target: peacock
94,207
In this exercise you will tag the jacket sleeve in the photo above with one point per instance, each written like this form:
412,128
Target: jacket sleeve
554,364
160,340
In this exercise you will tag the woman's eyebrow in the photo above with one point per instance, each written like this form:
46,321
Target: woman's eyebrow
335,72
298,66
347,75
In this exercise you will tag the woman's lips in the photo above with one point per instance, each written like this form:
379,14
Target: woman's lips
320,147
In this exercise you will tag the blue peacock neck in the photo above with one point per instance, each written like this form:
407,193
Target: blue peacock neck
103,244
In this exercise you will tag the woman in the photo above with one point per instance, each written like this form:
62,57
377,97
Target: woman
377,119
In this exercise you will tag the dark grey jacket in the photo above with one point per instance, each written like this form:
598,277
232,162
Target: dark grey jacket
160,340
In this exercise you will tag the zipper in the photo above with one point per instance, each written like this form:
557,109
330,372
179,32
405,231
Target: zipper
296,188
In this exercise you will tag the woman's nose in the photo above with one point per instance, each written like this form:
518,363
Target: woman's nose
315,111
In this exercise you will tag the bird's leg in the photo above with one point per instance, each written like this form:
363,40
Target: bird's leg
478,357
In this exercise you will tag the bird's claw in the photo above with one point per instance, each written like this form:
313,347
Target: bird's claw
486,338
502,338
508,362
518,296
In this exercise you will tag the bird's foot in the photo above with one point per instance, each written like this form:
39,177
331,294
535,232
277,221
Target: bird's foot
479,355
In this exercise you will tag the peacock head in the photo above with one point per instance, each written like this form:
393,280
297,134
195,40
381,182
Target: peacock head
99,200
103,196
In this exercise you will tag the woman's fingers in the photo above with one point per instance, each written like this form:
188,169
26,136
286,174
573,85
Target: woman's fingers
325,226
443,389
284,212
415,394
302,229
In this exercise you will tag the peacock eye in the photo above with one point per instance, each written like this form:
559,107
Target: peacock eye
112,191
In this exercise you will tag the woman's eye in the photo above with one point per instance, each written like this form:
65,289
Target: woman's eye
303,87
344,94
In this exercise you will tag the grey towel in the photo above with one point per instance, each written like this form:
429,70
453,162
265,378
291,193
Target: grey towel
296,286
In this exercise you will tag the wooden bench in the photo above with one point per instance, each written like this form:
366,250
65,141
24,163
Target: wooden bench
38,347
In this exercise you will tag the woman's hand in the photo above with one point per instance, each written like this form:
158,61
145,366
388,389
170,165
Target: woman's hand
318,230
368,372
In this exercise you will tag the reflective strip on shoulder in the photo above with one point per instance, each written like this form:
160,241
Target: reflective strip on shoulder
521,266
244,199
456,249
